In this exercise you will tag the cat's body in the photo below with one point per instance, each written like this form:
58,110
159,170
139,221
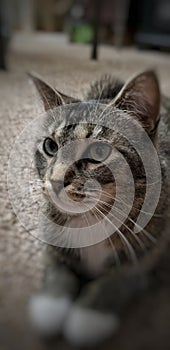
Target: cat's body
87,286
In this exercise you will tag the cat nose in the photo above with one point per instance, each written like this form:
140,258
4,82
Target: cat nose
57,185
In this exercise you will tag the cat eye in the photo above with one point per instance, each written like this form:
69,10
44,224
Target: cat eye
50,147
99,151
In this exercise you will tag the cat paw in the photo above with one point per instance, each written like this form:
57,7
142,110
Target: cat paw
48,313
85,327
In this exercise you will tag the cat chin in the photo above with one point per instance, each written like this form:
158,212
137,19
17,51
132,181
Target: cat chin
85,327
69,208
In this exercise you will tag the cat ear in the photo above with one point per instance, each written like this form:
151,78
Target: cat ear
51,97
141,98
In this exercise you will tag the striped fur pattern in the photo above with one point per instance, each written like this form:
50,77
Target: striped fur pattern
102,264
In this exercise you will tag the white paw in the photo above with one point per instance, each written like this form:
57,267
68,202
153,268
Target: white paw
89,327
48,313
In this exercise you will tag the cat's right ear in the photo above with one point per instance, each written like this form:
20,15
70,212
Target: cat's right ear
140,97
51,97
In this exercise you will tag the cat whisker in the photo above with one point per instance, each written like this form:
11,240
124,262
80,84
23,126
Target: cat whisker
117,261
146,233
116,256
124,239
104,110
128,228
133,234
140,210
90,113
98,100
121,200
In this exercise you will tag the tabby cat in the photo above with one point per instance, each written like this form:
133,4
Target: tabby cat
87,286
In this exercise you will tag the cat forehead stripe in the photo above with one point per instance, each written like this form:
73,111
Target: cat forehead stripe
81,131
58,131
97,130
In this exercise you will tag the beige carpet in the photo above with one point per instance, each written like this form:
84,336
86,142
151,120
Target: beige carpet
66,66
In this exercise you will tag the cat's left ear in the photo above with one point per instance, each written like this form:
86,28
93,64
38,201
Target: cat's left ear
51,97
140,97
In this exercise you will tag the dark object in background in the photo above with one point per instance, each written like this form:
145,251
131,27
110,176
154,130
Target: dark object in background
153,29
5,30
2,44
97,14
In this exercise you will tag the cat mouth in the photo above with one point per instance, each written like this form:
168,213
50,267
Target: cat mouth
70,202
74,203
76,196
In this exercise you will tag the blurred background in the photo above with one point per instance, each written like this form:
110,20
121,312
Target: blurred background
145,24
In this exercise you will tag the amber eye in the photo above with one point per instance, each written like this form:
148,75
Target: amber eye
50,147
99,151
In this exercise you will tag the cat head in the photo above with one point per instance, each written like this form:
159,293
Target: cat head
93,142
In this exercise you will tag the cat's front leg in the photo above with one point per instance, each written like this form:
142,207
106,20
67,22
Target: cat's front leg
48,309
95,316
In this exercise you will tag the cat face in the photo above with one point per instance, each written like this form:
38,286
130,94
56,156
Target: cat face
81,159
84,160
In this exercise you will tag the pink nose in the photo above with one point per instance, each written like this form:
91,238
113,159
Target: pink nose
57,185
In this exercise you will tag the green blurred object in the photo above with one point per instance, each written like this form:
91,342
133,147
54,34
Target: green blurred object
82,33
